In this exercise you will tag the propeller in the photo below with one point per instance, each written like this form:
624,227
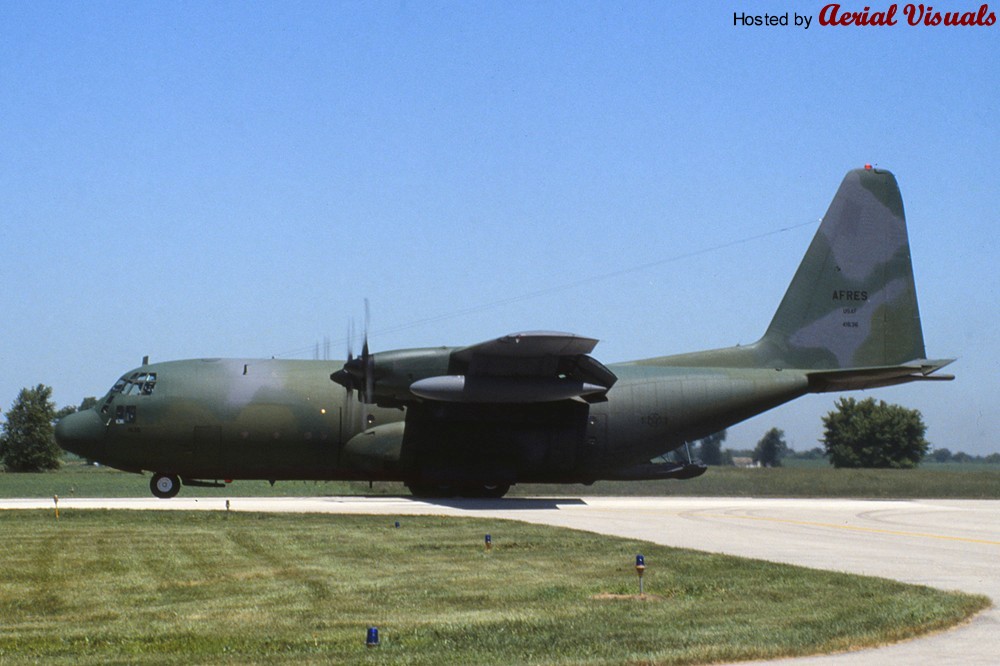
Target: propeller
346,375
358,373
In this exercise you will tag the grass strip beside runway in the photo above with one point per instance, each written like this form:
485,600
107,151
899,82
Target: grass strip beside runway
930,481
215,587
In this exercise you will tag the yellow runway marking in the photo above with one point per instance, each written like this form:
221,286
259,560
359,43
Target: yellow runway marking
855,528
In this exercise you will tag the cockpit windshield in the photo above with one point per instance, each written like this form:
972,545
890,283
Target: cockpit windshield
136,384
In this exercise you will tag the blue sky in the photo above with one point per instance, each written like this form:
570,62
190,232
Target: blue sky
195,179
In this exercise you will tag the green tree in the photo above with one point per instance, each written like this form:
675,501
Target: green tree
940,455
870,434
28,443
710,448
815,453
86,403
771,448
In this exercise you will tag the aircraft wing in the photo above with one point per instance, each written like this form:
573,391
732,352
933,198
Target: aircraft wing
527,345
530,367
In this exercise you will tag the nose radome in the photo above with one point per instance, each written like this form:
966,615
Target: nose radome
81,433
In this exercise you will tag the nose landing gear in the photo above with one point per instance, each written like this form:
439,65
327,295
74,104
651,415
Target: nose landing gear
165,486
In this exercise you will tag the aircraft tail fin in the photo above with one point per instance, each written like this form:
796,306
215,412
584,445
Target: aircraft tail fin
852,302
849,317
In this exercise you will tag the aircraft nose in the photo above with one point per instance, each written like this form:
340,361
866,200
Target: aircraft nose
81,433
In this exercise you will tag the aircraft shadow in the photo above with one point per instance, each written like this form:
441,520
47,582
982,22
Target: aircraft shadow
504,504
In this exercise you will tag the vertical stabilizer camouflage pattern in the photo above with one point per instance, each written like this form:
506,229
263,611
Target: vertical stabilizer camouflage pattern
852,302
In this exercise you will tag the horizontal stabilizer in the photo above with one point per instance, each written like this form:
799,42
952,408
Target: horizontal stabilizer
822,381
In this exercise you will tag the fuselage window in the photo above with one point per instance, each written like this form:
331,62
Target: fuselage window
124,414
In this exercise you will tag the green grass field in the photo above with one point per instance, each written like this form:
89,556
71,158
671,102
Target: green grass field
202,587
947,481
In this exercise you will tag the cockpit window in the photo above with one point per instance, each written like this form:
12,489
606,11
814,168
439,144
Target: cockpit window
136,384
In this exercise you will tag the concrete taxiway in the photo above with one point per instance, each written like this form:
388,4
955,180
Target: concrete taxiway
948,544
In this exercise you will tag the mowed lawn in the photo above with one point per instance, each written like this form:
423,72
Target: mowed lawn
203,587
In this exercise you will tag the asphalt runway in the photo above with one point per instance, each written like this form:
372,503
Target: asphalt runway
948,544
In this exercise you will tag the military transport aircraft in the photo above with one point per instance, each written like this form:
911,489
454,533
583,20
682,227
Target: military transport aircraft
526,407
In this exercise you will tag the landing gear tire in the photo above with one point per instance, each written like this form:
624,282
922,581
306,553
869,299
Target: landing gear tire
490,490
431,490
165,486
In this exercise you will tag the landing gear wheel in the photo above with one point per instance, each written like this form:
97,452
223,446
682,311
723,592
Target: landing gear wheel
431,490
485,491
494,490
165,486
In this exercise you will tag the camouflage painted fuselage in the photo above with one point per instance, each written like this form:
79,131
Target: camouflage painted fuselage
280,419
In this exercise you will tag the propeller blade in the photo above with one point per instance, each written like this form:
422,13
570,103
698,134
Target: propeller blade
367,365
350,340
367,372
358,373
367,320
369,378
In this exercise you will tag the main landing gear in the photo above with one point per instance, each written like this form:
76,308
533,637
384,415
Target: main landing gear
165,486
